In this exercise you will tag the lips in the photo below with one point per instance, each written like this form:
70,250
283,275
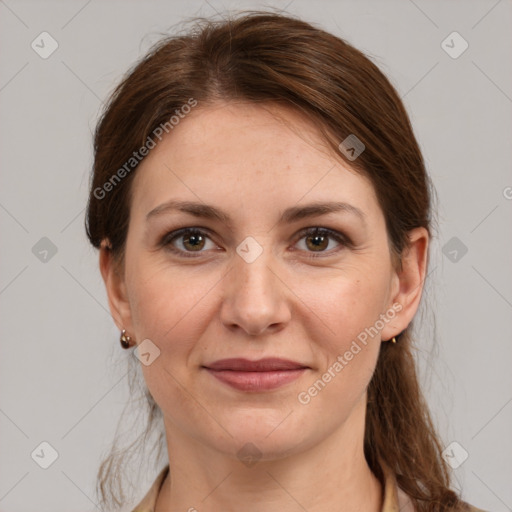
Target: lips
263,365
256,376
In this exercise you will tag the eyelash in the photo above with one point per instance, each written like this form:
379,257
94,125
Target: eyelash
167,240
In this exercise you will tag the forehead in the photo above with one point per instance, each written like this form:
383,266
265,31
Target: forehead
250,157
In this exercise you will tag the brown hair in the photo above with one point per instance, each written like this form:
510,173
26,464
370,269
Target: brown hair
270,57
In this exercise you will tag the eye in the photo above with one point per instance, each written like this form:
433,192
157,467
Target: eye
317,240
188,241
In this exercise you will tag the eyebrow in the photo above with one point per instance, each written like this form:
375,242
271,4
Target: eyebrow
290,215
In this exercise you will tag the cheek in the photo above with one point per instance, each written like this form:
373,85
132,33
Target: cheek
345,306
171,307
346,312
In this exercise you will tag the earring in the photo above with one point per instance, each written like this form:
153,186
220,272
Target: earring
125,340
394,339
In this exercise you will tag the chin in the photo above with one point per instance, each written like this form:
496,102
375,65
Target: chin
263,435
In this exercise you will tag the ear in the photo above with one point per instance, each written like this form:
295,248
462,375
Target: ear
408,283
113,277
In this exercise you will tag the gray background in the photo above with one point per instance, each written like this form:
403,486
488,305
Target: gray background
62,371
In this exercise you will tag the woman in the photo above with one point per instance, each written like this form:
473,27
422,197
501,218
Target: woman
262,212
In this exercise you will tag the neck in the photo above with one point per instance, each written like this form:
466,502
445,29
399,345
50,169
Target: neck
331,476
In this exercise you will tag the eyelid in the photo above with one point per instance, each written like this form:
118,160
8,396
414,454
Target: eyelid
333,233
169,237
339,236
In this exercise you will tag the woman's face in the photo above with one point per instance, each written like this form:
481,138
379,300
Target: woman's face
252,283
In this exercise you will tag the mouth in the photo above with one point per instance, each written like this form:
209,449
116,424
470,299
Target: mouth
262,375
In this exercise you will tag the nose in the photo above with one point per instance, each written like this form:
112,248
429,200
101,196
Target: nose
255,298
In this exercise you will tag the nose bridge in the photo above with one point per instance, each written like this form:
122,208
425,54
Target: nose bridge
254,275
253,280
253,296
252,261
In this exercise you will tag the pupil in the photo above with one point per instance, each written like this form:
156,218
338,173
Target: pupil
194,240
318,240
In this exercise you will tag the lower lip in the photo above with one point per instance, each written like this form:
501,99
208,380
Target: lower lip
256,381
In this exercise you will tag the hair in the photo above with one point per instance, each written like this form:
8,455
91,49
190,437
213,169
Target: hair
268,57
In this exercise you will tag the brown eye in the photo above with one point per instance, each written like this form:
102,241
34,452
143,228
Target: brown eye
187,241
194,242
318,240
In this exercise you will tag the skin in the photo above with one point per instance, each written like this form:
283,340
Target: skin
253,162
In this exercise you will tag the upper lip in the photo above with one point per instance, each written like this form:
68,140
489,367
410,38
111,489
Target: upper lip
262,365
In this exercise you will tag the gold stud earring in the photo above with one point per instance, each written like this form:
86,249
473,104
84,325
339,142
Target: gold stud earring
125,340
